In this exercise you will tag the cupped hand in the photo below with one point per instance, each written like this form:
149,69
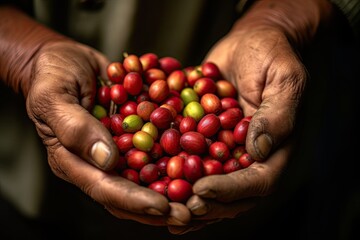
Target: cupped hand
80,149
270,79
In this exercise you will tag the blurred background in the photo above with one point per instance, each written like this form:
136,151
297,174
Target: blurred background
319,195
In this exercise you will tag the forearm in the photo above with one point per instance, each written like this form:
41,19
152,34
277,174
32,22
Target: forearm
299,20
21,38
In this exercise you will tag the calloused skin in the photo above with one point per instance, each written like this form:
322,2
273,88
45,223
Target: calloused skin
59,102
260,56
62,93
270,79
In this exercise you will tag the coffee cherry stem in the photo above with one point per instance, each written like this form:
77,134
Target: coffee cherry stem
104,82
189,125
113,108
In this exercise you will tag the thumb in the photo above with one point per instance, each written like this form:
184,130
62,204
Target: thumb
270,125
73,127
60,108
86,136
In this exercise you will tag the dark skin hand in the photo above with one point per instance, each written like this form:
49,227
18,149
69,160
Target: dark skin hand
59,86
57,76
59,101
270,78
270,95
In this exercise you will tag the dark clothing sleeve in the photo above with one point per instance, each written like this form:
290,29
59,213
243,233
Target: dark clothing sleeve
351,10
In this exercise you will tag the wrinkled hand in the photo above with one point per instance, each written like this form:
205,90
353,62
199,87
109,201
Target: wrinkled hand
80,149
270,80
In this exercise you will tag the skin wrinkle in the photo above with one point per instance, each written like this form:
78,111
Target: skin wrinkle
296,82
54,163
58,120
45,133
277,18
35,59
266,186
262,123
48,58
93,189
260,189
69,91
98,189
41,109
87,98
265,61
261,87
263,188
37,113
89,189
42,128
123,214
258,172
87,102
67,125
292,82
55,75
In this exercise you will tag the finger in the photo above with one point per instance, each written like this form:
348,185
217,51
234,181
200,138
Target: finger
179,214
208,209
58,115
59,104
274,120
259,179
148,219
98,60
84,135
109,189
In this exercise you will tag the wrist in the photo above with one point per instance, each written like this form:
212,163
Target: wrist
298,20
21,39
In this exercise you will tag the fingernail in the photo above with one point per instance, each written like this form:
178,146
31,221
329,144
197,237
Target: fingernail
153,211
174,221
207,194
199,209
100,153
263,145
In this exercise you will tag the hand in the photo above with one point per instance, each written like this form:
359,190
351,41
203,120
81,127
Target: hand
80,149
270,79
259,56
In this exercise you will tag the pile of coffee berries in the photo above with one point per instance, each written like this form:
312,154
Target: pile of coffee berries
172,124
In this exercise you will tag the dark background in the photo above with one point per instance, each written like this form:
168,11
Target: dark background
319,197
